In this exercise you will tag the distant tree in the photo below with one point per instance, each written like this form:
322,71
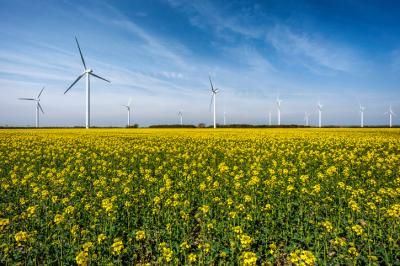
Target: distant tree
201,125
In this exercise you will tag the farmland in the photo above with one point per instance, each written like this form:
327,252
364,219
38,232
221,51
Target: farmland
200,196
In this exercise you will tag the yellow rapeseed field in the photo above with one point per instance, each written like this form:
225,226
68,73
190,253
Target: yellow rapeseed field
200,196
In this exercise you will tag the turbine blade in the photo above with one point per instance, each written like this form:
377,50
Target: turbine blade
40,93
40,107
83,60
212,98
27,99
212,87
74,82
99,77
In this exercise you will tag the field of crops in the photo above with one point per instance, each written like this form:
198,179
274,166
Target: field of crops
200,196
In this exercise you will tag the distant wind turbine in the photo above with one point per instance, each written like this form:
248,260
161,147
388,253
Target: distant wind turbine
38,106
181,117
128,108
269,118
319,105
278,106
214,92
306,118
87,72
391,114
362,108
224,118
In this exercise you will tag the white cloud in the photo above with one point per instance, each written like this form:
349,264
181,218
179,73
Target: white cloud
312,51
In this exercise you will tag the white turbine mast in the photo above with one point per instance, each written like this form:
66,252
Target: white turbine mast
362,109
38,106
128,108
87,72
214,92
269,118
391,114
224,116
278,109
180,114
306,119
319,105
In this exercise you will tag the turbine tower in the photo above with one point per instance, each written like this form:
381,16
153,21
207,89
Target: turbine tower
38,106
180,116
391,114
278,106
306,118
269,118
362,108
214,92
128,108
319,105
87,72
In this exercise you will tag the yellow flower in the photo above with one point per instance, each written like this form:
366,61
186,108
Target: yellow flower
101,238
140,235
245,241
192,258
58,218
87,246
166,252
117,246
302,257
328,226
69,210
82,258
31,211
205,209
357,229
184,245
4,222
249,258
353,251
21,236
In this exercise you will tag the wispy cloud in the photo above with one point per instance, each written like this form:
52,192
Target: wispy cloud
312,51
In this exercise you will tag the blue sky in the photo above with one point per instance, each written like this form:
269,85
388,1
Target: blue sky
160,53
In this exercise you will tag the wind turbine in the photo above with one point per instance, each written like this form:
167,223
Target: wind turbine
38,106
224,118
391,114
306,118
269,118
362,108
278,106
87,72
213,99
319,105
128,108
180,116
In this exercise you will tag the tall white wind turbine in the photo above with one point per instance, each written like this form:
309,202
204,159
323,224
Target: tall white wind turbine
391,114
87,72
38,106
319,105
278,109
128,108
306,119
362,109
214,92
180,114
